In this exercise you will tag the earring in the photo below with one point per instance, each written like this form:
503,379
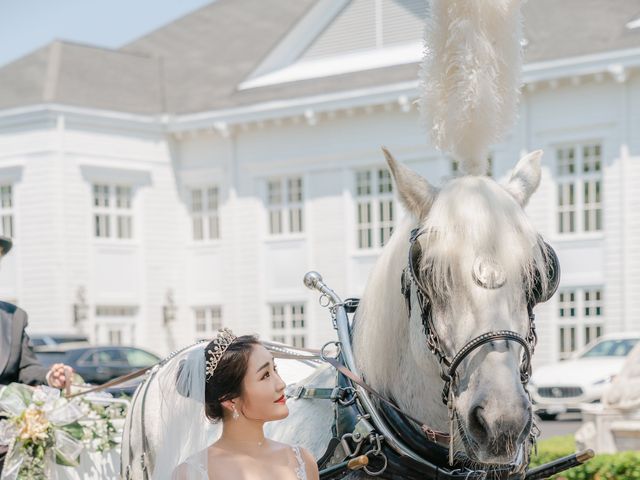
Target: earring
235,415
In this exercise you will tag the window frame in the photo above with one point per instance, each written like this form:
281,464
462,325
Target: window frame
575,180
372,199
208,215
289,332
213,320
113,210
580,326
7,212
283,209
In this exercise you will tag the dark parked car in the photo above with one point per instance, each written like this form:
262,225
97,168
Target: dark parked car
40,340
98,365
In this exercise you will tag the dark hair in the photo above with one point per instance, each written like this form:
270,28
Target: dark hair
226,381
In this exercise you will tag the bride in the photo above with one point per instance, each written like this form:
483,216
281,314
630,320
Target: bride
242,391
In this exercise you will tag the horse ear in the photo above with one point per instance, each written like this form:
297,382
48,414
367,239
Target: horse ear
525,178
416,194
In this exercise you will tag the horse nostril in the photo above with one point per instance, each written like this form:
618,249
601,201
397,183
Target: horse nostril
477,424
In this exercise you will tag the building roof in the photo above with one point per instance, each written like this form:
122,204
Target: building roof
87,76
572,28
200,62
208,53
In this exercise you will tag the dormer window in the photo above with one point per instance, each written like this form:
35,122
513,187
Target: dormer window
362,35
371,25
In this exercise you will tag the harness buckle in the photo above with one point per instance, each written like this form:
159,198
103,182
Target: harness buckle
430,433
294,393
336,394
356,438
344,396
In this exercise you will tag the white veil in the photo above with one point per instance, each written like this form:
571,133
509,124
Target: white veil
185,432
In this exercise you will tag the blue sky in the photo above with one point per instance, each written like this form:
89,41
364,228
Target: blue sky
26,25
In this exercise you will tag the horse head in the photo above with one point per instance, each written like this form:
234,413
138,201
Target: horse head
478,268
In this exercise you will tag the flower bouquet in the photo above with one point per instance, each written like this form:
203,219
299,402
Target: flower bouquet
44,429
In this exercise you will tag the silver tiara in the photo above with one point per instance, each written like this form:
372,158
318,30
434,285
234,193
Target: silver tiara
222,341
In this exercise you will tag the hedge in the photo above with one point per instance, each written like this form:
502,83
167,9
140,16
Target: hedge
618,466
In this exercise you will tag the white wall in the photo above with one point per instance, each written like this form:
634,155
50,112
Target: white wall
53,162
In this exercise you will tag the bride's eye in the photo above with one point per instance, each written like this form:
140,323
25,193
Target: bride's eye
265,376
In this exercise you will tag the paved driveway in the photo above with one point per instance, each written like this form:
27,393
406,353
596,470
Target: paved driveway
564,425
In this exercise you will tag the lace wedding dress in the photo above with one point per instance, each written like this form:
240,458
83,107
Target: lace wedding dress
195,468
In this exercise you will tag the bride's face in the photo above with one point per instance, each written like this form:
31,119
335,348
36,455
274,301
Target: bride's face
263,389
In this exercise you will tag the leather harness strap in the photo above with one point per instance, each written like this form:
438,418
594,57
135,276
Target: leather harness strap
305,392
112,383
433,435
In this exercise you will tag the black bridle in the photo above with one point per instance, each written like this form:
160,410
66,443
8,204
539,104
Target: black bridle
449,364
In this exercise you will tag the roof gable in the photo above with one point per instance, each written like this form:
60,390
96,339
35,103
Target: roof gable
346,36
371,25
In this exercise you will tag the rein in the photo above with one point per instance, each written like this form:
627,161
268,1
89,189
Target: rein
114,382
285,353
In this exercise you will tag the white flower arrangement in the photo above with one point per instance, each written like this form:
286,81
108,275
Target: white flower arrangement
43,429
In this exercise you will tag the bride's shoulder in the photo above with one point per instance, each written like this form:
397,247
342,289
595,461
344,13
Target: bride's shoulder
303,455
194,468
215,451
296,448
306,458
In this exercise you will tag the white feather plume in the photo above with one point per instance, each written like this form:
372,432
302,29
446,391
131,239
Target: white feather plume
471,76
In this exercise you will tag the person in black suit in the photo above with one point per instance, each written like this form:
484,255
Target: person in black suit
18,363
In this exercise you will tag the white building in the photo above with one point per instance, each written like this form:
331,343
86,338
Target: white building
197,173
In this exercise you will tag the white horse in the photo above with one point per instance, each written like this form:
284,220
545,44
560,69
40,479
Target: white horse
470,218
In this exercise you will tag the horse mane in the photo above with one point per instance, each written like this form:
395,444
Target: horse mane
381,306
475,216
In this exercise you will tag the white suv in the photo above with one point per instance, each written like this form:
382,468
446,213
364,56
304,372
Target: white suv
563,386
